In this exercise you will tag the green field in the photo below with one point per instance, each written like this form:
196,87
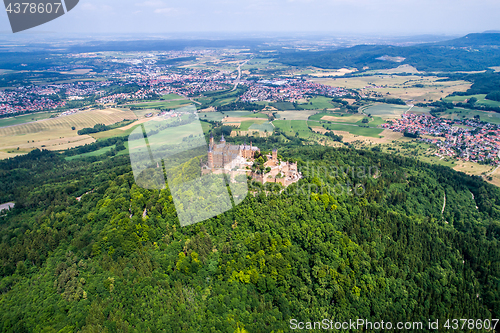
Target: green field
481,100
283,106
92,153
218,116
374,122
318,116
245,125
356,130
352,119
162,105
203,100
291,127
172,96
460,113
284,125
212,116
262,127
218,98
224,101
386,111
319,102
206,127
25,118
257,115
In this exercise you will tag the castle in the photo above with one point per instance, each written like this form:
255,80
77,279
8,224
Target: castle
238,159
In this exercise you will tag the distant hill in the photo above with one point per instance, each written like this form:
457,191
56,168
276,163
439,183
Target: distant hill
475,40
451,55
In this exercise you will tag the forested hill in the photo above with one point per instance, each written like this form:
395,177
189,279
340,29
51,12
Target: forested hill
98,265
479,40
473,52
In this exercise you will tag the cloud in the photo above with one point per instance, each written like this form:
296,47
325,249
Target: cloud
91,7
88,6
165,10
151,3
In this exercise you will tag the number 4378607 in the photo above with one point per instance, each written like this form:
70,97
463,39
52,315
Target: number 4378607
33,8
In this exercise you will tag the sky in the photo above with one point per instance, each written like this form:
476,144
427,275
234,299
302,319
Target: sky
385,17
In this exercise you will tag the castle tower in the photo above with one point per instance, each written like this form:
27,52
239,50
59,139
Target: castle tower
211,139
210,157
222,140
275,155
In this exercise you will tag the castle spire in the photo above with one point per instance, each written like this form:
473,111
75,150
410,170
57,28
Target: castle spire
222,138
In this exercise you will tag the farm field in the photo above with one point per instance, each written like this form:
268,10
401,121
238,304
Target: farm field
169,97
391,111
246,124
356,130
262,127
162,105
348,119
231,115
295,115
459,113
282,106
212,116
400,69
319,102
481,99
56,133
62,124
320,115
400,86
25,118
291,127
318,72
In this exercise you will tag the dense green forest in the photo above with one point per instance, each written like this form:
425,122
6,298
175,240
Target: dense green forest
117,260
453,55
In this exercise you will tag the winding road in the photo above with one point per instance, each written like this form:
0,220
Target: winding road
444,205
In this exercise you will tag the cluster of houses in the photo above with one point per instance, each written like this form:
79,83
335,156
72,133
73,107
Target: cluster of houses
466,139
25,99
155,78
288,90
32,98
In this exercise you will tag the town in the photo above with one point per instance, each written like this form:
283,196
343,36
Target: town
465,139
143,79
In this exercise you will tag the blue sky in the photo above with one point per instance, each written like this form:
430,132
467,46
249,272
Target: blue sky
394,17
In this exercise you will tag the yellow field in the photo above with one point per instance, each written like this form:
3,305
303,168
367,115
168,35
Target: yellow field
237,120
56,133
339,72
399,86
387,137
399,69
63,124
473,168
347,119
